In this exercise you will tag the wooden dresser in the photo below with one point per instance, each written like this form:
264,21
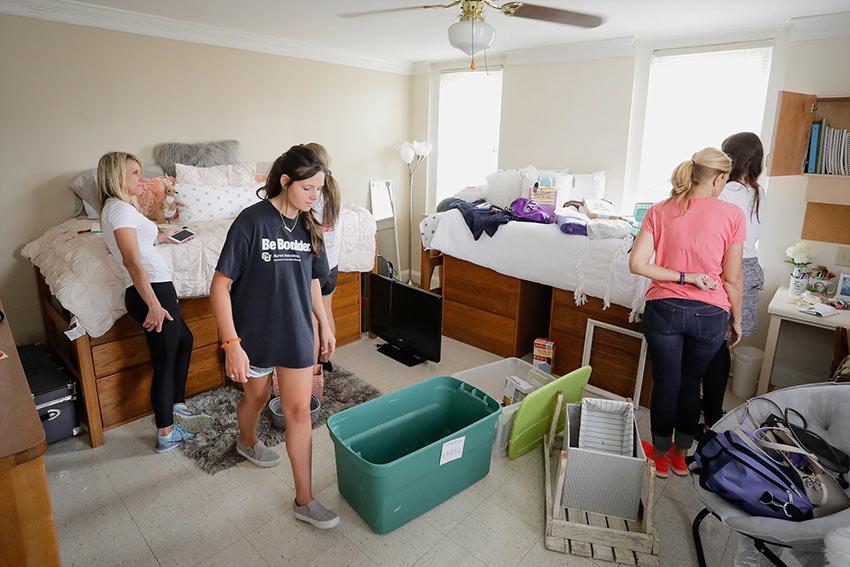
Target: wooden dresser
491,311
27,532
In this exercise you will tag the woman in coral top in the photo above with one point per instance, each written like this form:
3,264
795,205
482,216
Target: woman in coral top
694,298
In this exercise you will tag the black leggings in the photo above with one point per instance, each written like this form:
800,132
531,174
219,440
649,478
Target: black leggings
714,385
170,349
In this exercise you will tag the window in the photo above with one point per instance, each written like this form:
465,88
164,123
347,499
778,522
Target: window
468,129
696,98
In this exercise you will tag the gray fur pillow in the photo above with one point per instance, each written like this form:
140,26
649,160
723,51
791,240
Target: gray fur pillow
206,154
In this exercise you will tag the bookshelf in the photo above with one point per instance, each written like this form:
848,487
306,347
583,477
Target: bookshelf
828,196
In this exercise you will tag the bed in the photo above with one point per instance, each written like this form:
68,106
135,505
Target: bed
530,280
81,292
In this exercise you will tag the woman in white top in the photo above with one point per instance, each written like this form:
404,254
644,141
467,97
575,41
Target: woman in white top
742,189
327,213
150,297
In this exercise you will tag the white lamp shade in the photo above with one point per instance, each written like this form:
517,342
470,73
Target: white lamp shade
471,36
406,151
422,148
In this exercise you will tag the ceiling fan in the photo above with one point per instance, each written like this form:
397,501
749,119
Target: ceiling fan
472,34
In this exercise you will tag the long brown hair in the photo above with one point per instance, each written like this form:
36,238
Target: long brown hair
701,168
298,163
330,190
747,155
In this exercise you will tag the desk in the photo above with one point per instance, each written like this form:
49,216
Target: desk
27,532
780,310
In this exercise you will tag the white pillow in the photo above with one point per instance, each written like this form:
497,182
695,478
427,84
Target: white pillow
588,186
234,175
503,187
471,194
208,202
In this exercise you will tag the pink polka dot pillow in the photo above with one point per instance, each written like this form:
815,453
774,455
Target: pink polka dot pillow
210,202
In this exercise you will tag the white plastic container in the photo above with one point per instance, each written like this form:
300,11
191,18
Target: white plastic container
746,367
490,379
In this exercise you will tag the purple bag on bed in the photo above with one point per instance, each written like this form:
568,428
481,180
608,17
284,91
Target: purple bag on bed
526,209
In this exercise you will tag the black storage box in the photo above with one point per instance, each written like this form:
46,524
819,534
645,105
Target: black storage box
54,392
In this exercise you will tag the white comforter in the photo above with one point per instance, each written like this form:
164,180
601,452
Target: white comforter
87,281
542,253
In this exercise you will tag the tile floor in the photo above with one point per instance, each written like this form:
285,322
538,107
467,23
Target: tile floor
122,504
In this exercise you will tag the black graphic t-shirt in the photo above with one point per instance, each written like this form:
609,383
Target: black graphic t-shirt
272,270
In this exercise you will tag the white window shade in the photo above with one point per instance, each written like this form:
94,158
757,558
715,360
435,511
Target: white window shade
468,129
696,98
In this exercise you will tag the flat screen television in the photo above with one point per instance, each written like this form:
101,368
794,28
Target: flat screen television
408,318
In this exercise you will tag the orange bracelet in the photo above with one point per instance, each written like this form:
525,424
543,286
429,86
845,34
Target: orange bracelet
227,342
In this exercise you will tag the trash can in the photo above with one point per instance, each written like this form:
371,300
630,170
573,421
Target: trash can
746,367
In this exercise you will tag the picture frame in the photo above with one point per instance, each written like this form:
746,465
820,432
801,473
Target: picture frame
843,287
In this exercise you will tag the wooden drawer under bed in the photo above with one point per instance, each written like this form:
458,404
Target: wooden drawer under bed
491,311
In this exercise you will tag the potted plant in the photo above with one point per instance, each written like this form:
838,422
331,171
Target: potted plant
800,256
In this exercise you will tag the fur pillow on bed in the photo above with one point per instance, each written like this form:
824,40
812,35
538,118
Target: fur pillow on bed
205,154
503,187
84,186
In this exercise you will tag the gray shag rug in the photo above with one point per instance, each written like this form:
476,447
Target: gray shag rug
214,449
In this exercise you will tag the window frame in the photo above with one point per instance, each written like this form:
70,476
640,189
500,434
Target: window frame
779,38
435,71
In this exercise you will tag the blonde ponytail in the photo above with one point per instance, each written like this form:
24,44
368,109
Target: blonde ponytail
701,168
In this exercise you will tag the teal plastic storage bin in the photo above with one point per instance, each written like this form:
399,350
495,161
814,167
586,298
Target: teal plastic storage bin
394,454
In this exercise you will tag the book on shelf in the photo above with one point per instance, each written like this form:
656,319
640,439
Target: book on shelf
811,166
821,136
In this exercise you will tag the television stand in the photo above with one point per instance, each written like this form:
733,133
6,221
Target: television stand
405,357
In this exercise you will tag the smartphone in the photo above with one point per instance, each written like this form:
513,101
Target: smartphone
182,236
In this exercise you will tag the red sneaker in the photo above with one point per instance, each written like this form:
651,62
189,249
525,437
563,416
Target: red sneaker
679,466
662,467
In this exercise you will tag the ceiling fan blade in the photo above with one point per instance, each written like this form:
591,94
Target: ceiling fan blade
391,10
555,15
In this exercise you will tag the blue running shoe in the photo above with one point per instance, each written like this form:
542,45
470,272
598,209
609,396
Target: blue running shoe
168,442
191,421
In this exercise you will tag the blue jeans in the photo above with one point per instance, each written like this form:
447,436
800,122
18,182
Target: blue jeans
683,336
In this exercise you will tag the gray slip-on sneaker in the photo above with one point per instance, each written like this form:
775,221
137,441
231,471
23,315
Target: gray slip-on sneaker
259,454
316,514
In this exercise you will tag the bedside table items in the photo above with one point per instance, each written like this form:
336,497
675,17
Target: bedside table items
800,256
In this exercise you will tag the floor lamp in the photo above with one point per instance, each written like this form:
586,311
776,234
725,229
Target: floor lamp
413,154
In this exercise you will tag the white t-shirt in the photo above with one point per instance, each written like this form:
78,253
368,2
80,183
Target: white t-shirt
119,214
331,234
742,196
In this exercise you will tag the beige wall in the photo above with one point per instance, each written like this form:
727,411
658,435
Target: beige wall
70,93
573,114
814,67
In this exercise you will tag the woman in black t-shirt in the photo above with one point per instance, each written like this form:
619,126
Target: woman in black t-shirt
264,293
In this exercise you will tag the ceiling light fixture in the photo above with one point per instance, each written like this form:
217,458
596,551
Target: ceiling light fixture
471,34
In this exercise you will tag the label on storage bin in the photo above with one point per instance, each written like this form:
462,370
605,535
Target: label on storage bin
452,450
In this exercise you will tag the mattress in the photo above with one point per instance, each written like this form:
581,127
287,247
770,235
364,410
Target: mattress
542,253
86,279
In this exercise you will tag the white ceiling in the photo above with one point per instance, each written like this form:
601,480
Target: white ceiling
406,37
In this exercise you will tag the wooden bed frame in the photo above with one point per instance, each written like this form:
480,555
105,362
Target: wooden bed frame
114,372
503,315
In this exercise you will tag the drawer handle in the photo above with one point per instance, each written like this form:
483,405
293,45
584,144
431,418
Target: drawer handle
51,415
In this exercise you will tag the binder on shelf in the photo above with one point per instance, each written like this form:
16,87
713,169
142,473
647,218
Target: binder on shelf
813,149
821,136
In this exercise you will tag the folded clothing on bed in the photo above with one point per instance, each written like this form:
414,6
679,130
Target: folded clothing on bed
481,217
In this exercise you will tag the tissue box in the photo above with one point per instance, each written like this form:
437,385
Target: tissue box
544,354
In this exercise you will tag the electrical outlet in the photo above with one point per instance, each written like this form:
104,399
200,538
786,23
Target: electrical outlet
842,256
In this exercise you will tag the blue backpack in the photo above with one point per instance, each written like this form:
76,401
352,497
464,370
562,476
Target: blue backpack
741,473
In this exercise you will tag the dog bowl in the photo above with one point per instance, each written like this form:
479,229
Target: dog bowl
277,413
